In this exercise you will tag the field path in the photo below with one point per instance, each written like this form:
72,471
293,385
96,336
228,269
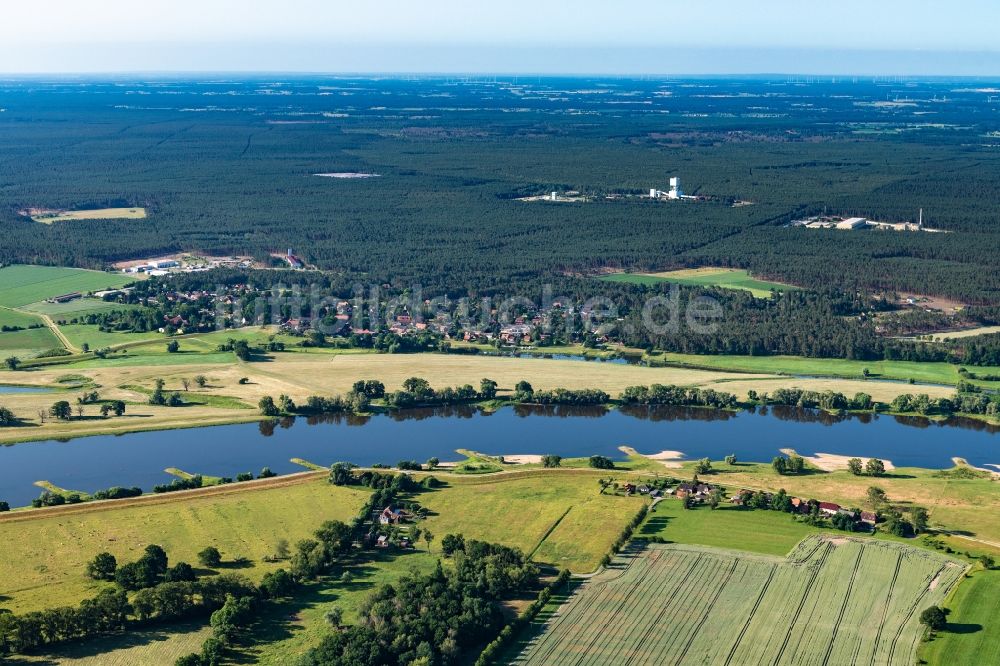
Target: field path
47,320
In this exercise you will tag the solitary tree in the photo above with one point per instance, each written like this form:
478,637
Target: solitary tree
551,460
186,383
432,463
12,362
7,417
919,518
61,410
428,537
876,497
731,459
334,617
173,346
874,467
201,381
487,389
779,464
933,618
267,406
210,557
601,462
703,466
855,466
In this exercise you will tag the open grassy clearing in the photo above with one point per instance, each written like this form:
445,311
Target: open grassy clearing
44,557
79,334
726,278
769,532
27,343
286,633
79,307
838,601
966,504
10,317
140,647
21,284
559,516
934,373
973,633
136,213
44,561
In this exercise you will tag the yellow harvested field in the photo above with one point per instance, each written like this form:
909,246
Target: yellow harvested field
881,391
50,216
968,333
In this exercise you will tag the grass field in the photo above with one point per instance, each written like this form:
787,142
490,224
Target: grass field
92,335
21,285
27,343
79,307
10,317
140,647
44,558
769,532
970,505
973,632
560,517
836,601
934,373
726,278
287,632
92,214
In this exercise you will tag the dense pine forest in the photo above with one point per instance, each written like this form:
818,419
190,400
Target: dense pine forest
226,166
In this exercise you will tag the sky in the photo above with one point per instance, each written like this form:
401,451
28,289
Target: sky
499,36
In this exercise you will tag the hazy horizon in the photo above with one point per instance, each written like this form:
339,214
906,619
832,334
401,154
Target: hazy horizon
636,37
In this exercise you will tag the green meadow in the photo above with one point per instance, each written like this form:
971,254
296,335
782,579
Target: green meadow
725,278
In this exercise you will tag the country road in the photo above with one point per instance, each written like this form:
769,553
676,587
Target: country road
47,320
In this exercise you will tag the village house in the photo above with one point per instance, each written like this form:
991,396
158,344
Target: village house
869,518
697,491
391,516
829,508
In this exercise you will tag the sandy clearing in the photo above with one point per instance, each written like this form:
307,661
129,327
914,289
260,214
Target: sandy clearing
523,459
669,459
831,462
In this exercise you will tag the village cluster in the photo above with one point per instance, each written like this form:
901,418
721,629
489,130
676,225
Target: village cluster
697,492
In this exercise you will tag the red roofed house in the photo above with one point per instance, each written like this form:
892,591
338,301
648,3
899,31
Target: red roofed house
829,508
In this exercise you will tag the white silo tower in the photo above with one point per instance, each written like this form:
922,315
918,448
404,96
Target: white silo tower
675,188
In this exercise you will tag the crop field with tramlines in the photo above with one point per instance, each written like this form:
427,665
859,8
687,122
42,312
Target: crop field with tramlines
831,601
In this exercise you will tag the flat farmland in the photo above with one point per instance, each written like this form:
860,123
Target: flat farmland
21,285
27,343
725,278
49,217
831,601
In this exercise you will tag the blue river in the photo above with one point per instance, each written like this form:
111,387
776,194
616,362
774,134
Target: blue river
138,459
